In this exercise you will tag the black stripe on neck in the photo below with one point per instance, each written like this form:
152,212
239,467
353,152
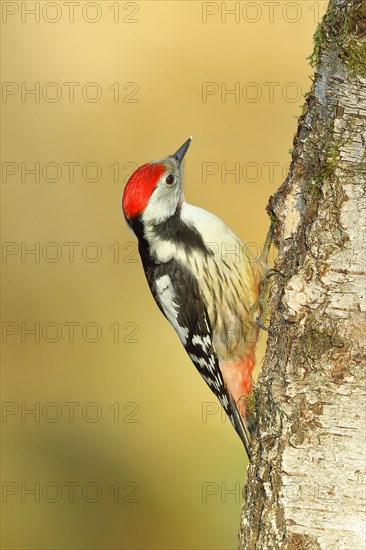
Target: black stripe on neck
137,227
175,230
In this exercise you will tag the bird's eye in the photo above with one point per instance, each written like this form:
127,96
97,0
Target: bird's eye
169,179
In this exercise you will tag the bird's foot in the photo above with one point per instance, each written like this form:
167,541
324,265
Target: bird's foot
261,303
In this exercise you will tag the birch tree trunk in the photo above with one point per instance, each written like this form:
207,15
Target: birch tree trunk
306,481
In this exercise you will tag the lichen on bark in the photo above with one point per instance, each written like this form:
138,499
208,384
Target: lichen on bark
305,482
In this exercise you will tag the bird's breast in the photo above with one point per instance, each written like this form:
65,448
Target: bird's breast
229,291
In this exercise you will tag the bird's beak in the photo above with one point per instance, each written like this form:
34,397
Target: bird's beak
179,155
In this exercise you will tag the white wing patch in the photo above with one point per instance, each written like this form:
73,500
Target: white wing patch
201,361
166,295
204,342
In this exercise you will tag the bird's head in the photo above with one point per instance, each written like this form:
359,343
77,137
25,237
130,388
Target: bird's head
155,190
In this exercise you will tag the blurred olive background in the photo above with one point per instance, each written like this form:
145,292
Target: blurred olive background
127,448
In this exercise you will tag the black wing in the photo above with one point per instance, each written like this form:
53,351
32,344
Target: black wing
177,294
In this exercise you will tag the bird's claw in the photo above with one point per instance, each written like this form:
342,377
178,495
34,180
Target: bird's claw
261,304
271,273
261,325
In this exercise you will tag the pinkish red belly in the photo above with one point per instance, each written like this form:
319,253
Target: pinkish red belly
238,378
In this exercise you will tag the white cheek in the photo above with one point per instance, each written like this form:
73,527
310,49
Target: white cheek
162,203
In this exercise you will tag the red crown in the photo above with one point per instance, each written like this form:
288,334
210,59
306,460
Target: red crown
140,187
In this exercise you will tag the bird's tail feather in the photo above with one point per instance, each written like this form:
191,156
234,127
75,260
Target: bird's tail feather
241,426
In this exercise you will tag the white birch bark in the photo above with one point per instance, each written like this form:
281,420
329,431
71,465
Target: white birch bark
306,481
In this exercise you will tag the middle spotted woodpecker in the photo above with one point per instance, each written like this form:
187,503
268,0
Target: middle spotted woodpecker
203,279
